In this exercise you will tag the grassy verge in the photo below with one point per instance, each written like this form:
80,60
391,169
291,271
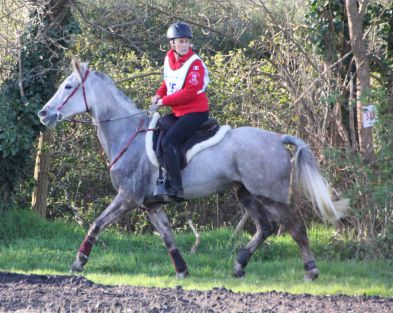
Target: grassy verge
31,245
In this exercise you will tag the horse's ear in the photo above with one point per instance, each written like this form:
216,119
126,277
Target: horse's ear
78,68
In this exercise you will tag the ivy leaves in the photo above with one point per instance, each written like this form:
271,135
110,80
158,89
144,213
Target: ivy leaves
40,58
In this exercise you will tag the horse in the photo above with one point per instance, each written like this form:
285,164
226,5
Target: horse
254,162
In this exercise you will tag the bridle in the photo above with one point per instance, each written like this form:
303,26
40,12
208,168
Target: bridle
60,107
138,130
82,83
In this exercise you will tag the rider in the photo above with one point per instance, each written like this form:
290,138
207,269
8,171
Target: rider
183,89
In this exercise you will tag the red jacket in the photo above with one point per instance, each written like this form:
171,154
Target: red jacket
186,100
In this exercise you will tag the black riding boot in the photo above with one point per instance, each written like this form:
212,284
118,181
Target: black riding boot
174,185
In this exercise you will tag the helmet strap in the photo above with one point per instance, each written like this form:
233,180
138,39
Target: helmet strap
174,48
178,54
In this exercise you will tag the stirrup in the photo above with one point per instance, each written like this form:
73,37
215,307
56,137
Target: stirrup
160,189
160,192
163,194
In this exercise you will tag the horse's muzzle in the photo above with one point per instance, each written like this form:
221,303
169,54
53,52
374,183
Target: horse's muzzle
49,120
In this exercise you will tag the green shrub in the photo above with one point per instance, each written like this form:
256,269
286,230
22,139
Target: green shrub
370,186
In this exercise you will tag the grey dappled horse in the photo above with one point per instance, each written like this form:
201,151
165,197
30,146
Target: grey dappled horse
253,161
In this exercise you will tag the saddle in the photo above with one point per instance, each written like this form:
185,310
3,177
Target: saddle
206,131
201,140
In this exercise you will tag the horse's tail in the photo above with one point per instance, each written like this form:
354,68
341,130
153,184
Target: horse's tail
313,184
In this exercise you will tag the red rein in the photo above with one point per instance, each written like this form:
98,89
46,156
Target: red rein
138,130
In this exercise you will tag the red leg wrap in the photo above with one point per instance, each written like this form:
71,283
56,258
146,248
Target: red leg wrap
87,245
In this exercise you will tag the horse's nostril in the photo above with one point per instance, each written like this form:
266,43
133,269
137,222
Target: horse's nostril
42,113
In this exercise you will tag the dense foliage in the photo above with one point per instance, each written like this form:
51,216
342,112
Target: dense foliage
368,185
31,84
277,65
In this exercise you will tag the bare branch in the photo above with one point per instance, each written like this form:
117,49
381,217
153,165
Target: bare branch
287,36
362,7
107,31
197,236
136,76
20,78
320,76
213,30
240,225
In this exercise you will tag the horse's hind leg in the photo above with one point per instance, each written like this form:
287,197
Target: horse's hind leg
160,221
291,220
118,207
264,224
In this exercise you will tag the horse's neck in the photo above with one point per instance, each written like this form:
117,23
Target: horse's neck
113,135
116,121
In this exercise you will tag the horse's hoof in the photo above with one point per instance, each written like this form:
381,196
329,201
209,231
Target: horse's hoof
311,275
239,274
182,275
79,263
76,267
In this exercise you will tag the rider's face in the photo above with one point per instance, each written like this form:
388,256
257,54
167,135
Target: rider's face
181,45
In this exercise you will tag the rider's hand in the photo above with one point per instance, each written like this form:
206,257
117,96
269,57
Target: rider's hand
155,99
154,103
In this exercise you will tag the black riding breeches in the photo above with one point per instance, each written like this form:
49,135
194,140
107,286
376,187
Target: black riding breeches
183,128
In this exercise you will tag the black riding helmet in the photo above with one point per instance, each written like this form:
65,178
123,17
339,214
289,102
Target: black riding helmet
179,30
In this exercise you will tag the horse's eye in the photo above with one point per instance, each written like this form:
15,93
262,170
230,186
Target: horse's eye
68,86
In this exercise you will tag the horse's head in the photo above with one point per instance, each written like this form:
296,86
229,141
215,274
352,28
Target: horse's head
69,99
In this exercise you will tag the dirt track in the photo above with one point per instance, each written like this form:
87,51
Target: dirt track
39,293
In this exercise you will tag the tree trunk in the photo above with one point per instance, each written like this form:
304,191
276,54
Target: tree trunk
54,11
355,12
41,173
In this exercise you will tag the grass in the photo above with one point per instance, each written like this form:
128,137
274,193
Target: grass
34,246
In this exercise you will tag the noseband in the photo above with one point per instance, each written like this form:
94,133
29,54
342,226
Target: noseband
60,107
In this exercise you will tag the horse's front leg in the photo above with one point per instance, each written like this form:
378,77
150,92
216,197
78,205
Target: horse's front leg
160,221
118,207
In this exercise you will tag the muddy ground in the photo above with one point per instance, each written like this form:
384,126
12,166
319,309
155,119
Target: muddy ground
40,293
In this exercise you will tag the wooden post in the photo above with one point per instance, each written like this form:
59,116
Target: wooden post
41,173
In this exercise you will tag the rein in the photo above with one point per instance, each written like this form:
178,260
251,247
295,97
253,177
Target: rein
72,120
139,129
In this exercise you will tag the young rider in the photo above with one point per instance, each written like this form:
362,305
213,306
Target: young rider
183,89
